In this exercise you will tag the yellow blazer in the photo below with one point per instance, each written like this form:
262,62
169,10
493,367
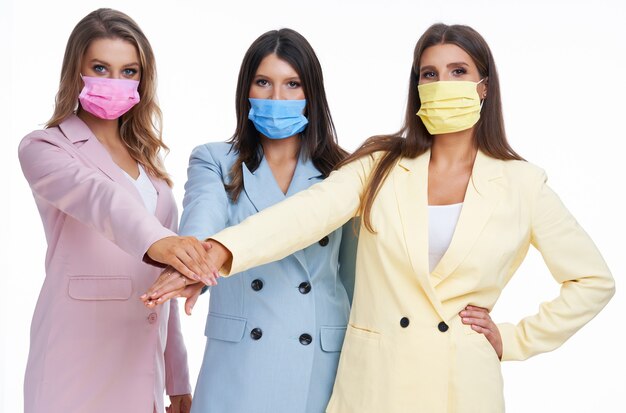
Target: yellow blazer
406,349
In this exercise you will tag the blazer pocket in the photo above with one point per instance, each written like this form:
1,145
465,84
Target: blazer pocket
332,338
225,328
100,288
363,333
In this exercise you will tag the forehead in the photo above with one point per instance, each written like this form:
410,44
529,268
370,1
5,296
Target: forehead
274,66
112,51
441,55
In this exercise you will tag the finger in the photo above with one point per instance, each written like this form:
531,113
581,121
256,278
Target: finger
166,277
206,245
474,308
163,298
478,322
475,314
480,329
193,256
191,300
202,257
172,285
182,268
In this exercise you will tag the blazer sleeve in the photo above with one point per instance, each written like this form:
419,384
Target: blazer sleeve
176,367
296,222
87,195
575,262
347,255
205,205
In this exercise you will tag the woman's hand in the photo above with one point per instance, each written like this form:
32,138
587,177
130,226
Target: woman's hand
172,284
481,322
186,254
179,404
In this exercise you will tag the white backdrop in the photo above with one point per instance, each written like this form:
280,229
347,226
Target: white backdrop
562,67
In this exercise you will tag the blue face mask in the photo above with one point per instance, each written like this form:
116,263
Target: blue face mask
278,119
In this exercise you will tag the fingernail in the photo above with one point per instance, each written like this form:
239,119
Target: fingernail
154,294
143,296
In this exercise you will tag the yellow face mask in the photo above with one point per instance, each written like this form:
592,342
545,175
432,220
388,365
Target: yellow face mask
449,106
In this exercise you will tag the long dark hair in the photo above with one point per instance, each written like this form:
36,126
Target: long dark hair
319,139
413,139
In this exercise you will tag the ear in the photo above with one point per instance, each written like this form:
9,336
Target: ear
485,88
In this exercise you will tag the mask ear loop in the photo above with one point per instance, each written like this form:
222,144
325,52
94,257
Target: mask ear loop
482,101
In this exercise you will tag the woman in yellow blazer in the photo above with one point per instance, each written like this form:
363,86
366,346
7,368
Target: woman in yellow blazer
413,344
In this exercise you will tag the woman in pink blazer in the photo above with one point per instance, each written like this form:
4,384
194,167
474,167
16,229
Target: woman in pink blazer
110,221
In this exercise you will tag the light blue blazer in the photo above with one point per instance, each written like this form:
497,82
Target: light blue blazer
274,333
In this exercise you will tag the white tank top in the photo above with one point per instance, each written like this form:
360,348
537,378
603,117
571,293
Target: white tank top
145,188
442,220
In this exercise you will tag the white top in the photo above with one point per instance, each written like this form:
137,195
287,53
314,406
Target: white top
149,196
442,221
145,188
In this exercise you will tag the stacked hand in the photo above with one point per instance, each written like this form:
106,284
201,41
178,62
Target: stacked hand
186,255
172,283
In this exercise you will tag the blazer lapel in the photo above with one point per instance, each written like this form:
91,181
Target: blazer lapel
263,191
410,179
481,197
77,131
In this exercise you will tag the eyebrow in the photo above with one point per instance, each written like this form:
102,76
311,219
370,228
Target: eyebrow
108,64
448,66
268,77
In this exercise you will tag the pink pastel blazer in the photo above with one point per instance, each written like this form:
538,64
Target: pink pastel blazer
93,343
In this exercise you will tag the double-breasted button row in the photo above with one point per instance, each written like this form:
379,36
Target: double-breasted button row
305,339
442,326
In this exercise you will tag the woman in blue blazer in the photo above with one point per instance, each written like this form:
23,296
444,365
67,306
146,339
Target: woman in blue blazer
274,332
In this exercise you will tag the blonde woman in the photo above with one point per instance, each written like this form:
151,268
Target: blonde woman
109,218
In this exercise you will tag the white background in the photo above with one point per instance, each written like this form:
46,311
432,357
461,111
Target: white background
562,70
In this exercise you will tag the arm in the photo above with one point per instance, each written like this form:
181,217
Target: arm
575,262
294,223
176,371
88,196
347,255
205,205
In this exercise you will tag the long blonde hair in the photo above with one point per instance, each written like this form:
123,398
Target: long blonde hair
140,127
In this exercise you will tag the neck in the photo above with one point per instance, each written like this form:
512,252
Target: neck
280,150
107,131
453,149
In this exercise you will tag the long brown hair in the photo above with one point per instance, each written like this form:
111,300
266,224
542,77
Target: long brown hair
413,139
319,139
140,127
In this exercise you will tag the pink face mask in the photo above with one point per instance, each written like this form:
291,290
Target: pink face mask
108,98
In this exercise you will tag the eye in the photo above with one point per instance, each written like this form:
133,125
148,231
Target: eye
428,75
129,72
99,69
262,82
459,71
293,84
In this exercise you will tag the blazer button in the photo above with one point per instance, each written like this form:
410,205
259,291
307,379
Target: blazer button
306,339
304,287
152,318
404,322
443,327
324,241
257,285
256,333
